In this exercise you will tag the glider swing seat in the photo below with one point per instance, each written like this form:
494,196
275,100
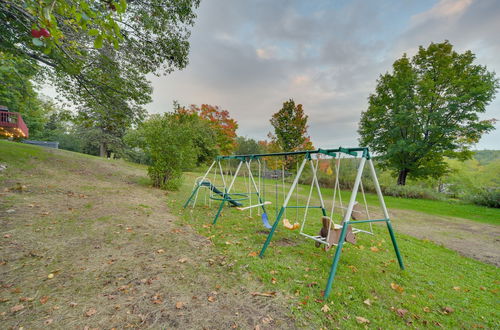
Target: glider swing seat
331,234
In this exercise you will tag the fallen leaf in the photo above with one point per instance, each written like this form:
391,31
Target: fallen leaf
312,284
447,310
397,287
72,304
264,294
182,260
7,236
273,280
26,299
44,299
90,312
211,298
362,320
50,276
367,302
325,308
401,312
374,249
48,321
179,305
427,309
456,288
160,251
16,308
353,268
252,254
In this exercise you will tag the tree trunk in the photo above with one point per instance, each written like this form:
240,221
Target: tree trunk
103,151
402,176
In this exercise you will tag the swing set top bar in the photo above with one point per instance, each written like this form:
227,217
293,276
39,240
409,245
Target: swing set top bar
329,152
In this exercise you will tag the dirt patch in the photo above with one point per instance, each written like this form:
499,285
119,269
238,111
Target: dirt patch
79,251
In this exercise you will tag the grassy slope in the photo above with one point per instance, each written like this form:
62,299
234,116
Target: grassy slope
436,278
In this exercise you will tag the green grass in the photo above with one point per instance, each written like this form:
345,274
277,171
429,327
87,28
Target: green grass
436,279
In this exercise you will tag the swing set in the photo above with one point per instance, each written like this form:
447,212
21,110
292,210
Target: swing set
331,234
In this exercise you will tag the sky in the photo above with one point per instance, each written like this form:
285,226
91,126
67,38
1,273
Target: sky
250,56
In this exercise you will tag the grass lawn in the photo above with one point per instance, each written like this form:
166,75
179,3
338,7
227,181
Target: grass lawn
438,288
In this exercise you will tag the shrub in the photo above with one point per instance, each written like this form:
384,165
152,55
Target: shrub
485,197
411,192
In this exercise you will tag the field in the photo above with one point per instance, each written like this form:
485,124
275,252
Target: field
86,242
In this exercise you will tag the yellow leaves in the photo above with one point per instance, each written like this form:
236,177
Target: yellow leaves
264,294
427,309
456,288
252,254
367,302
362,320
90,312
325,308
50,276
397,287
353,268
374,249
17,308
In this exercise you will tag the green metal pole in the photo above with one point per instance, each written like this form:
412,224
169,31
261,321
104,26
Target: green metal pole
395,244
192,194
219,210
336,259
271,233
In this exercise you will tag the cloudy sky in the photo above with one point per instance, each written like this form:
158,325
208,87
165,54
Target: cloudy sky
250,56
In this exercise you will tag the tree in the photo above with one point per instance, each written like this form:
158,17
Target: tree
426,109
175,141
247,146
223,125
290,130
98,52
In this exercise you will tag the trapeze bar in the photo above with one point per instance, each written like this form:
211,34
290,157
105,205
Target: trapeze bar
350,151
363,221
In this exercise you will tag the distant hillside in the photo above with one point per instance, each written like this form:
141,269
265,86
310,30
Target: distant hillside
486,156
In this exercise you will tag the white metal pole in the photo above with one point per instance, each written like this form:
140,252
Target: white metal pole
222,175
234,177
316,183
377,188
347,215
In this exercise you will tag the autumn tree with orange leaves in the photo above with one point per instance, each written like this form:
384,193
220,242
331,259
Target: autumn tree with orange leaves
224,126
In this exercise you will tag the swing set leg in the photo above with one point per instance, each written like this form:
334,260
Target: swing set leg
192,195
336,259
218,212
271,233
395,244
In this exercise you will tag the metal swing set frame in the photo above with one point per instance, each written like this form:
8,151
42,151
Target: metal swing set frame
365,159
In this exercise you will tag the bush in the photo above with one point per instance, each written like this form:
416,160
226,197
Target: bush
485,197
411,192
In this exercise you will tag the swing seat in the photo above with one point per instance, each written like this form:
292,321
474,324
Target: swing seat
331,236
288,225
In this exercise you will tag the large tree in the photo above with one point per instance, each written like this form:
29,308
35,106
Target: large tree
427,109
98,52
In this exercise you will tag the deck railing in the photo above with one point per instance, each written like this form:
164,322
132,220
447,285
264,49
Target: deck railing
13,123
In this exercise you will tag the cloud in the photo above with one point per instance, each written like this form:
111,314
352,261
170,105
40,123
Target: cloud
251,56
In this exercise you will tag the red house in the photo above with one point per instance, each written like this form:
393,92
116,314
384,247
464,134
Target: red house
12,124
